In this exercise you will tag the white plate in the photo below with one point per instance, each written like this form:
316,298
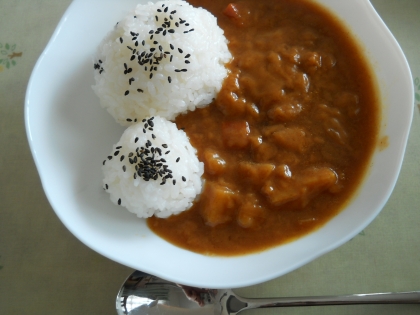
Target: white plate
69,135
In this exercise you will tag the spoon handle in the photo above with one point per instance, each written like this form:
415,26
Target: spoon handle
412,297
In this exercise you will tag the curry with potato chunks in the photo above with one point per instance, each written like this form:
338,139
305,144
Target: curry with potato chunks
288,139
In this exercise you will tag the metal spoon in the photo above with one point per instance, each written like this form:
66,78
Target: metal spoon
145,294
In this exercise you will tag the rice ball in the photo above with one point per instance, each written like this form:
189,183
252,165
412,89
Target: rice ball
153,169
162,59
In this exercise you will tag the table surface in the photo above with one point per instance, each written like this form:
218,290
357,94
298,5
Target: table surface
44,269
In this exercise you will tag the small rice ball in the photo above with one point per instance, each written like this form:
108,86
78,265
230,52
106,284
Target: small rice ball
153,169
162,59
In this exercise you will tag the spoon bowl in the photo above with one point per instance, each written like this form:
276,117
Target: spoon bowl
143,294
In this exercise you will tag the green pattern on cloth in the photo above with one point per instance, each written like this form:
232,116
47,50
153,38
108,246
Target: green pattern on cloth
8,55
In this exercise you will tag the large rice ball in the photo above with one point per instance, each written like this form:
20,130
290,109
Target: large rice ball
162,59
153,169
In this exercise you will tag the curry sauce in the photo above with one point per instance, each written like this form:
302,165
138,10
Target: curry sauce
289,137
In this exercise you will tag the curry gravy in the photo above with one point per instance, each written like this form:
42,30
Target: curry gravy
289,137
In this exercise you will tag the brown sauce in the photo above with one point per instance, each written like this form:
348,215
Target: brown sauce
289,137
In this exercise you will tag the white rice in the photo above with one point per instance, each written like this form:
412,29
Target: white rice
150,197
196,39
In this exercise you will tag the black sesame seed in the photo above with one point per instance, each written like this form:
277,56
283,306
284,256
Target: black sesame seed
124,168
164,33
129,47
137,139
159,10
121,40
171,31
116,153
140,90
169,79
187,62
187,56
121,158
180,50
174,182
177,160
132,57
144,130
119,201
143,42
151,76
183,179
156,17
171,58
109,157
103,163
106,186
166,10
126,92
